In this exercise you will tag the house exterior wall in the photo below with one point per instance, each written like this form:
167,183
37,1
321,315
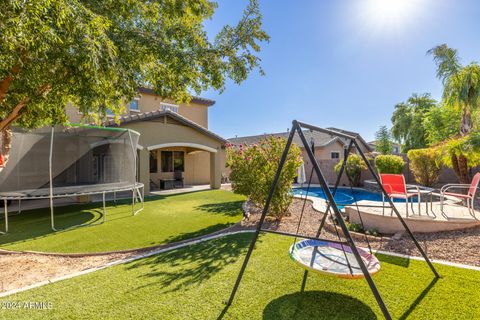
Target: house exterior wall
195,112
198,163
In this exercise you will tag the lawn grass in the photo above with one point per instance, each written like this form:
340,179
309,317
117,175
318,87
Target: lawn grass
193,282
165,219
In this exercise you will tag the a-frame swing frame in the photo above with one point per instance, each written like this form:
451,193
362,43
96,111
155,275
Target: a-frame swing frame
297,127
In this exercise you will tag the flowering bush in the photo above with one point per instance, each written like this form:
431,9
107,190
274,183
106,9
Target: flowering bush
253,169
389,164
353,168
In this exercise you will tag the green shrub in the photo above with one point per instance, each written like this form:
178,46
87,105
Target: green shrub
373,232
424,166
389,164
253,169
355,227
353,168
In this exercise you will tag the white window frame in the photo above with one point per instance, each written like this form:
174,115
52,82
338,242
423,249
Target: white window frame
332,152
130,105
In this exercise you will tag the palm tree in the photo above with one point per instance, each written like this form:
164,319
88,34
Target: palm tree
461,83
461,89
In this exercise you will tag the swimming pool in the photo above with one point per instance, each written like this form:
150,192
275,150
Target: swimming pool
345,195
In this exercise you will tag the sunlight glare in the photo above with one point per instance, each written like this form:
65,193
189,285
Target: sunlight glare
385,15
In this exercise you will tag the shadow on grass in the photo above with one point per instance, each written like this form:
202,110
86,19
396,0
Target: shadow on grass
198,233
419,299
317,305
176,269
398,261
36,223
231,208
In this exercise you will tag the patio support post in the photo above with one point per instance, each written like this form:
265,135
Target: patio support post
215,170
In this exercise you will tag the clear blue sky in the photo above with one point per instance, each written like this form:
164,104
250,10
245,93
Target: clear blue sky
342,63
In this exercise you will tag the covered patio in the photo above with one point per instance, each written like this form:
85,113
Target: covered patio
175,152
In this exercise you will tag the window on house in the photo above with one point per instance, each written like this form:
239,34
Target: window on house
168,106
178,161
335,155
153,161
173,161
134,105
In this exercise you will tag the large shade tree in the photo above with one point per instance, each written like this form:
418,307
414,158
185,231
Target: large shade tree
96,53
461,91
408,121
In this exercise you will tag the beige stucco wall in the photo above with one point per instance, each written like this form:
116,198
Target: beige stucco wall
198,164
195,112
323,153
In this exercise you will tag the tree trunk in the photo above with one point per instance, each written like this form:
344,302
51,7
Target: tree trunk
464,175
466,124
460,167
5,145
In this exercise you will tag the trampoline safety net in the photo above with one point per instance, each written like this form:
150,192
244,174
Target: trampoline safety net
83,158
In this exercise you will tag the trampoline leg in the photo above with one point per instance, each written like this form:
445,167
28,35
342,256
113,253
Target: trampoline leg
19,206
6,216
133,201
104,210
114,196
52,215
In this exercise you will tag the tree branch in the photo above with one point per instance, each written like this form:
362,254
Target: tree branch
16,111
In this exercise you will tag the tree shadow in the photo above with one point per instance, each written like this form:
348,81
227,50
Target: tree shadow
198,233
317,305
398,261
419,299
191,266
231,208
36,223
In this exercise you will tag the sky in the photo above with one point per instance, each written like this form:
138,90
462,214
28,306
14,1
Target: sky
340,63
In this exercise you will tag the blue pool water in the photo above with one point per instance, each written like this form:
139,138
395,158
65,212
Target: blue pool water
344,195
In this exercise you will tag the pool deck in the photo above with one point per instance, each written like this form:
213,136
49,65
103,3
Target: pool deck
455,216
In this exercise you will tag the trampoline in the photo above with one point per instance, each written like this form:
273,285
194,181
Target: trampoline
73,161
328,258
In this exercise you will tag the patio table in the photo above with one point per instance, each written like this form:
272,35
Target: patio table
428,192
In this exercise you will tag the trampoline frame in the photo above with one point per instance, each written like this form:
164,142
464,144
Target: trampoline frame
134,188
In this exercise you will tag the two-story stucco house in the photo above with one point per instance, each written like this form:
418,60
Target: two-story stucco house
175,143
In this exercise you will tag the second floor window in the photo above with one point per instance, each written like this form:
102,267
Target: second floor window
335,155
134,105
168,106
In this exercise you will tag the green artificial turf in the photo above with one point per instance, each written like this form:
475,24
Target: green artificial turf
193,282
165,219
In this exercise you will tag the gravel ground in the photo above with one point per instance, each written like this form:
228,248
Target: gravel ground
455,246
23,269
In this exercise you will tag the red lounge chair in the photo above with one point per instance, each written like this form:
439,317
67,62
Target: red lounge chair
468,197
395,186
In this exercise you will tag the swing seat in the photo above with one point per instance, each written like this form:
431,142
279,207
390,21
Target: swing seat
328,258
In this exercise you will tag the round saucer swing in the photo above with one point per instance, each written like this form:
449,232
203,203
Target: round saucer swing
331,258
334,258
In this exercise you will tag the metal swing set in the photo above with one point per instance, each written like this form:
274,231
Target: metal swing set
340,258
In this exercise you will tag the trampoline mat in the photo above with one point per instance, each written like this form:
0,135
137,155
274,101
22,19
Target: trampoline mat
329,258
70,190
